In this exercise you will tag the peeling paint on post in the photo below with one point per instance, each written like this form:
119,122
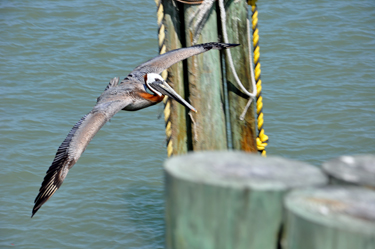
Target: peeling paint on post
177,118
243,131
200,81
208,128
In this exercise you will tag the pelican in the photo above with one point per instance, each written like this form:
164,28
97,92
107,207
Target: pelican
132,94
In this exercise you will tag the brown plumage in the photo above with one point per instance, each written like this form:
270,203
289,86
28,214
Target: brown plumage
130,95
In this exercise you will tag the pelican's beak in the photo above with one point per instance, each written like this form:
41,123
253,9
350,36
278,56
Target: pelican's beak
167,90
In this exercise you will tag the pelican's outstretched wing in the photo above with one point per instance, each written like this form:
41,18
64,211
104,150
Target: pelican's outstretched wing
73,146
164,61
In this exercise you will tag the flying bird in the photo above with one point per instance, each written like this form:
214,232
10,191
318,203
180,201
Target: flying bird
131,94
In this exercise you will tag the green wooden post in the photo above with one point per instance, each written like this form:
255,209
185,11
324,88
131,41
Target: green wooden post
228,199
208,129
334,217
243,131
200,81
177,139
355,170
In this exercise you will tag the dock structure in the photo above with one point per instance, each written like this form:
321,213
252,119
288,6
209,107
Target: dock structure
335,217
218,198
355,170
232,199
206,80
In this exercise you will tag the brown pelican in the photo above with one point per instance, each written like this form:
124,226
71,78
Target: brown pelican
130,95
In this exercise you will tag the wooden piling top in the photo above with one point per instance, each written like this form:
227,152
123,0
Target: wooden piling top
244,170
341,207
358,169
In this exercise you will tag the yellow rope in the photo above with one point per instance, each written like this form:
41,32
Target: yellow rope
262,139
164,74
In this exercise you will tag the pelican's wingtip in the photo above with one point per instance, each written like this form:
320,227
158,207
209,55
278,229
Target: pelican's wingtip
34,212
231,45
218,45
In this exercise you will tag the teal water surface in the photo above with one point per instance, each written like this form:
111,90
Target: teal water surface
318,73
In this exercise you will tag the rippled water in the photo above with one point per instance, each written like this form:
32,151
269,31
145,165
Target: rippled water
318,62
318,73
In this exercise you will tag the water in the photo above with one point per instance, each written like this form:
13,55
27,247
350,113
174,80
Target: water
318,73
318,62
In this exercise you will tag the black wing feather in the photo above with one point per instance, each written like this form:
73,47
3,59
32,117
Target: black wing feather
55,175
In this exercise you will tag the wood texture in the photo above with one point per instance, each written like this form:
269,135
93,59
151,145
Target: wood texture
331,218
208,129
357,170
229,199
173,40
243,131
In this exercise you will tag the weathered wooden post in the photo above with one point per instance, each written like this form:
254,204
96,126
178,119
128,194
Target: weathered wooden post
200,80
175,114
243,131
205,84
230,199
332,217
355,170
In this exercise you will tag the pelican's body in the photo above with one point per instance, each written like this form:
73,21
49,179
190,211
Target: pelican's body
130,95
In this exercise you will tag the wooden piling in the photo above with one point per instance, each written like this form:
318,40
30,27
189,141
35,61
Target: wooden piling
351,170
229,199
330,217
175,116
208,128
200,80
243,131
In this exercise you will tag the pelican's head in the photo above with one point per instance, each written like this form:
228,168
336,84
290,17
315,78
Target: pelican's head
156,84
153,78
